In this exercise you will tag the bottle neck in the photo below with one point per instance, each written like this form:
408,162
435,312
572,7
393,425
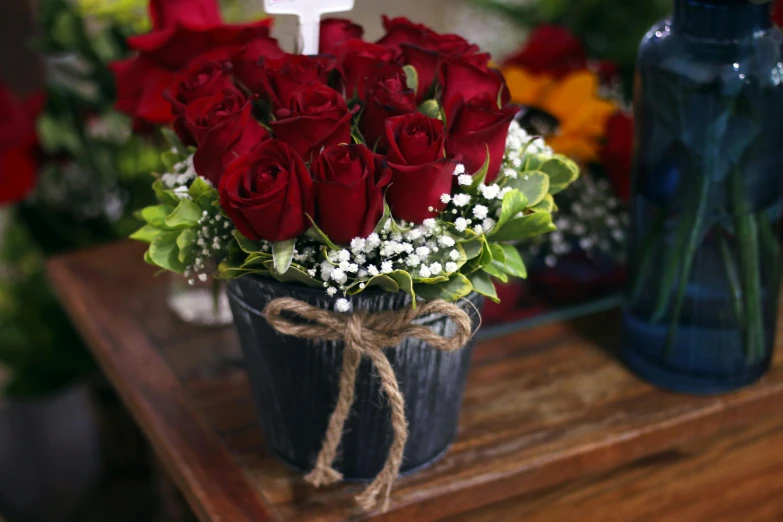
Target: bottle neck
720,19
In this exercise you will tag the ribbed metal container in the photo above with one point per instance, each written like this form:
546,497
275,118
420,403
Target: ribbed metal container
295,383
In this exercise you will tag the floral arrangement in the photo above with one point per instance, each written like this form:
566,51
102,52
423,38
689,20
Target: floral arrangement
576,105
393,164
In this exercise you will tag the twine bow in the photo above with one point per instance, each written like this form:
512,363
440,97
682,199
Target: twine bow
365,335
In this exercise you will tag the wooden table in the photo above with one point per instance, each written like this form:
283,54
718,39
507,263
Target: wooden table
552,427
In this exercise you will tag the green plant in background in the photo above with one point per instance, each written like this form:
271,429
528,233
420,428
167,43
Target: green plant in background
611,29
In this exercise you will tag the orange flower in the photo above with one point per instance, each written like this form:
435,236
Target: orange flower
573,101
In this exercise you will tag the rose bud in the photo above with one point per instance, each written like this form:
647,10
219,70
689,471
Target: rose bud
316,117
356,58
476,126
335,31
471,78
268,193
282,76
402,31
224,128
420,172
386,95
349,186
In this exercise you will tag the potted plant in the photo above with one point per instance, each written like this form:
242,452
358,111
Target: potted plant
359,204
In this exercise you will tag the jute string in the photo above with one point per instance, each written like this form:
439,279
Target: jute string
366,335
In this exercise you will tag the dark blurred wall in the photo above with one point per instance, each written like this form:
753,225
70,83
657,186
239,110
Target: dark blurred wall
20,68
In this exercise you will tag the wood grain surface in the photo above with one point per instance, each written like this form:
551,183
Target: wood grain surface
548,414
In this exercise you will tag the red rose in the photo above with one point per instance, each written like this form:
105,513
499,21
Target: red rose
224,128
280,77
349,185
183,31
200,79
420,172
356,58
777,13
18,144
427,59
268,193
247,60
316,117
617,153
335,31
551,50
471,78
607,71
386,95
476,125
193,13
402,31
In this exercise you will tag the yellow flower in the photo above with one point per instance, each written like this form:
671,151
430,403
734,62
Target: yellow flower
573,101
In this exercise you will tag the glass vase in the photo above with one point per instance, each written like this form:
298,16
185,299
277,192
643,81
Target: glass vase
701,305
200,303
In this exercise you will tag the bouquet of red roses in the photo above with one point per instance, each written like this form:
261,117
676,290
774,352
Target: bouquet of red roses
393,164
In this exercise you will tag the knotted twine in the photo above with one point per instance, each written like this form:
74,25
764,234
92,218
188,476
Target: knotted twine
366,335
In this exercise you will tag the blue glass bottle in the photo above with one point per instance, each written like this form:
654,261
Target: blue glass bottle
705,263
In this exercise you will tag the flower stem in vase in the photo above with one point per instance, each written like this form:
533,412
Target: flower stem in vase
647,256
750,267
693,229
735,286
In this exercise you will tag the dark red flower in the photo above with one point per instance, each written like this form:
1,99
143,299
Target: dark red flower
552,50
224,128
192,13
349,186
18,144
402,31
335,31
316,117
607,71
617,153
428,57
386,94
421,173
477,126
183,30
247,60
356,58
468,78
268,193
777,13
280,77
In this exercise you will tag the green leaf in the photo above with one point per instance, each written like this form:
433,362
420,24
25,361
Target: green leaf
163,252
483,285
533,184
202,193
187,214
525,227
247,246
472,248
186,243
561,171
457,287
169,159
545,205
405,282
386,216
412,77
294,274
481,175
496,270
386,283
156,215
514,202
164,196
283,254
173,140
515,266
147,234
431,109
319,235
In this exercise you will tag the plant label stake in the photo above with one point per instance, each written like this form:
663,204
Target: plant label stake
309,13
